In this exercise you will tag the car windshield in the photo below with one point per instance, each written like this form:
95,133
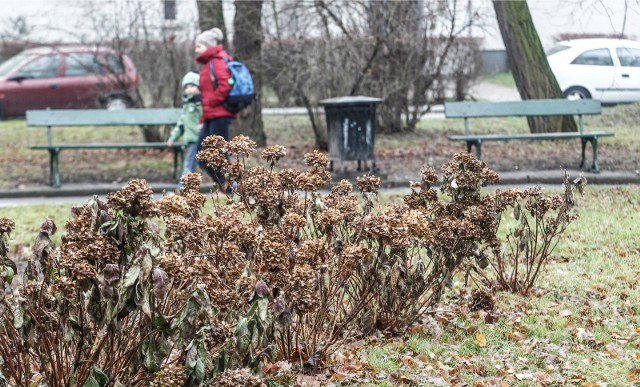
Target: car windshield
556,49
7,66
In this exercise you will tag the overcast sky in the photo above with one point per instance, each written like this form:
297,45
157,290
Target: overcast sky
49,18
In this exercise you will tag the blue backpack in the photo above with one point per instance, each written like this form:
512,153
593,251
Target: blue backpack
242,93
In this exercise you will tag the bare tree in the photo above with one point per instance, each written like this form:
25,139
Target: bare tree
398,51
210,15
528,62
161,51
247,46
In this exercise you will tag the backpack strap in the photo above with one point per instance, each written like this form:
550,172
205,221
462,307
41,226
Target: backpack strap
214,79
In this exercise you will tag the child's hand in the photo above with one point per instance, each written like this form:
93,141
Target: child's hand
169,143
200,127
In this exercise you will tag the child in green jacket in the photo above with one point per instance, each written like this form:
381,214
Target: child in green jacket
189,123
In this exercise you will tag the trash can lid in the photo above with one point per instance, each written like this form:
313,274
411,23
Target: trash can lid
350,100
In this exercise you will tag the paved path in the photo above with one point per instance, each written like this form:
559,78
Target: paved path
79,193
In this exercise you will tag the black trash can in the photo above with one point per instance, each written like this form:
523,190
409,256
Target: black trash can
351,128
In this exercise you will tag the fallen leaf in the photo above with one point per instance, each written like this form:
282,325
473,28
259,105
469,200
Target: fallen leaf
565,313
307,381
525,376
481,340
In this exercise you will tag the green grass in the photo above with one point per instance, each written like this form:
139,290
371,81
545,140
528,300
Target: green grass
584,322
500,79
29,218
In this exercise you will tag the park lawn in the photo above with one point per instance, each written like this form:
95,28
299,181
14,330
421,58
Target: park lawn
582,325
399,156
501,79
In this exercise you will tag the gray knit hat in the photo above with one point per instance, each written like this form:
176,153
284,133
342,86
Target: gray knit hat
210,37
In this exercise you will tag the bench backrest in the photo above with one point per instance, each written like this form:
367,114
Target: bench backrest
530,107
101,117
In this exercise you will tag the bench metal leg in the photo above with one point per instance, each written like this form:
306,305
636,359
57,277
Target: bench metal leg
584,145
478,145
594,146
54,168
178,162
594,150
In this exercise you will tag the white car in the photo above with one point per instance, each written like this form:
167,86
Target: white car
604,69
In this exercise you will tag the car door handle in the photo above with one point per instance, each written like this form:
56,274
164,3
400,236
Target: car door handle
53,86
625,75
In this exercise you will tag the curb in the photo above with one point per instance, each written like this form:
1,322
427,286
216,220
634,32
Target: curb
506,178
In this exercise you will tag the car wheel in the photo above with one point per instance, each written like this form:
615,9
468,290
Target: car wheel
577,92
117,103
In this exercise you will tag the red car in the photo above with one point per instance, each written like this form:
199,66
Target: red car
66,78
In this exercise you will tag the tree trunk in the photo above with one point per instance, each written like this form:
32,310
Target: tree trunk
210,15
528,62
153,133
247,43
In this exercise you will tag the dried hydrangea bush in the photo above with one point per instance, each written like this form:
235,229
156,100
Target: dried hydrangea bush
275,270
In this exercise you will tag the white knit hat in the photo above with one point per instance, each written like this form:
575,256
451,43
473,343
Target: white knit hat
210,37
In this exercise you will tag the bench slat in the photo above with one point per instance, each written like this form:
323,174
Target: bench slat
108,146
531,107
529,136
101,117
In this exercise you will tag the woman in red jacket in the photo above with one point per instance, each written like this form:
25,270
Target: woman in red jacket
214,88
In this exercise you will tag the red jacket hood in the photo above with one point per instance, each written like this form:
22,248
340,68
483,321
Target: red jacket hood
206,56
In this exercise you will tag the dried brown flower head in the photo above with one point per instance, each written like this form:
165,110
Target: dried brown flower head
233,378
273,154
312,181
293,203
262,186
369,183
172,264
288,178
293,221
191,181
330,217
273,257
6,225
170,375
212,152
303,293
185,232
174,205
90,247
134,199
195,199
465,174
353,255
241,145
342,188
235,171
429,175
311,251
316,159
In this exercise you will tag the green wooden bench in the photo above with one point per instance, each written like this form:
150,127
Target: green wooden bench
100,117
532,107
